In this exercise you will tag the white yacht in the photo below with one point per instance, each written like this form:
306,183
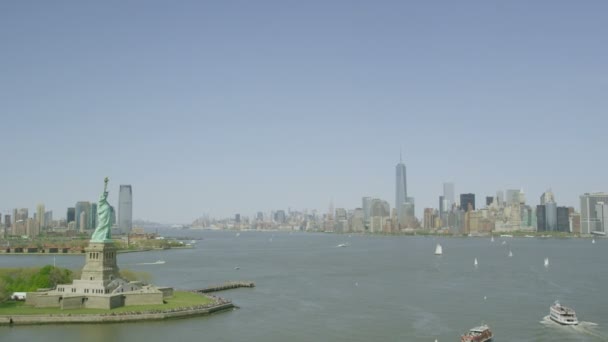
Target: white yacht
562,314
438,250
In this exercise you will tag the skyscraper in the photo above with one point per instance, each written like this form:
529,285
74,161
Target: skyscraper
590,221
40,216
400,189
448,196
467,201
71,215
125,209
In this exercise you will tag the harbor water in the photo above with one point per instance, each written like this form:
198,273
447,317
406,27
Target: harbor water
375,288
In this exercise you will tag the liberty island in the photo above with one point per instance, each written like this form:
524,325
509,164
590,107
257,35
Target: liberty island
102,287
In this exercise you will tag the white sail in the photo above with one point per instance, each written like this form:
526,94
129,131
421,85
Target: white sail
593,241
510,254
475,262
492,238
546,262
438,250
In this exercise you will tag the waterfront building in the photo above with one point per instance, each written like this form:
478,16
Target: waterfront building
260,216
575,223
7,221
237,218
48,219
589,219
601,212
467,202
125,209
563,219
40,215
441,206
551,216
71,215
489,200
366,204
541,219
379,215
400,191
357,223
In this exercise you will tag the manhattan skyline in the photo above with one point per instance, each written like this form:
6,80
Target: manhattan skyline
221,108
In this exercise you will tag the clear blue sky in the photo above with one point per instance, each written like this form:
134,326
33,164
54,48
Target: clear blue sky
226,107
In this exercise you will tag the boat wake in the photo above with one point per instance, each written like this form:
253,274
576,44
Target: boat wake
587,328
158,262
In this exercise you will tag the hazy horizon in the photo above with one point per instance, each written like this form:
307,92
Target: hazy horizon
237,107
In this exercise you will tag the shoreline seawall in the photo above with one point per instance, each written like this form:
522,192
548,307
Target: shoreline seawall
123,317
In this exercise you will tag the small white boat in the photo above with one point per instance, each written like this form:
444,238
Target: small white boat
506,235
546,262
475,263
438,250
510,253
159,262
238,234
593,241
562,314
237,268
492,238
343,245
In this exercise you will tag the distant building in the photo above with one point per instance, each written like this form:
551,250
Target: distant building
512,196
125,209
500,198
400,191
93,216
366,204
563,219
7,221
590,221
448,196
467,202
48,219
541,219
82,221
71,215
237,218
260,216
489,200
442,208
551,216
356,221
279,216
40,215
547,197
575,223
601,211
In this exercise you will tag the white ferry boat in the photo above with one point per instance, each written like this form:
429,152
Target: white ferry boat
562,314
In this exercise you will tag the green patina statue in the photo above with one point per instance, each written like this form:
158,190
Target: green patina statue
104,225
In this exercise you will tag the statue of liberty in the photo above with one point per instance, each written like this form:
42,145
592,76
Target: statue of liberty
104,225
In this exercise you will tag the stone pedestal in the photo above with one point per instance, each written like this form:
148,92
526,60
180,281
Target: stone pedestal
100,263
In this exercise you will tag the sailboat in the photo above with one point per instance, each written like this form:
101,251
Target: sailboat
546,262
475,262
492,238
510,253
438,250
593,241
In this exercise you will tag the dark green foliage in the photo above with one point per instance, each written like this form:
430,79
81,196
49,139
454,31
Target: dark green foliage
31,279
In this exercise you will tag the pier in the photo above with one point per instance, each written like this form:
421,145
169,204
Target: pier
226,286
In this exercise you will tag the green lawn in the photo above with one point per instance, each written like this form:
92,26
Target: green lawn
179,299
